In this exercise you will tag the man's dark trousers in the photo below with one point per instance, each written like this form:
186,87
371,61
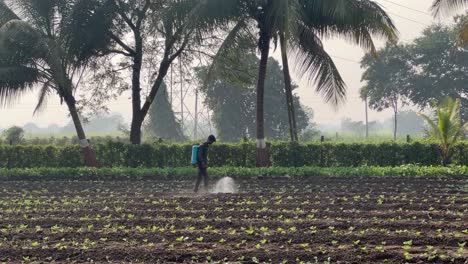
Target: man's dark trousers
202,174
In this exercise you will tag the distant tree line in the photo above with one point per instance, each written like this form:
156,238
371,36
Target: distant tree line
410,124
426,71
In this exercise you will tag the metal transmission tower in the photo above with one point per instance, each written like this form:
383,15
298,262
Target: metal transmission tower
187,101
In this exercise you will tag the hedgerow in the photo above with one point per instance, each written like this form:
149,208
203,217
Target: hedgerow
283,154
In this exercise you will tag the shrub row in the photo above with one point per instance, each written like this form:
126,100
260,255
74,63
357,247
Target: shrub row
61,141
283,154
188,173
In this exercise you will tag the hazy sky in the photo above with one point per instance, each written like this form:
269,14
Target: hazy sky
411,17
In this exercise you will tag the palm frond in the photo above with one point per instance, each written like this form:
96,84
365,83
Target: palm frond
6,14
15,80
40,13
43,96
202,16
433,126
311,59
239,39
86,30
465,128
213,13
446,6
20,40
278,15
454,110
356,21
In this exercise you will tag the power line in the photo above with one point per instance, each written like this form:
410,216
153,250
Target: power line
416,10
345,59
411,20
409,8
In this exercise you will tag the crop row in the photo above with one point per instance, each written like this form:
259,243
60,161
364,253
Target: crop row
217,172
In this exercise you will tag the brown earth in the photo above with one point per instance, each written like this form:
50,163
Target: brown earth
310,220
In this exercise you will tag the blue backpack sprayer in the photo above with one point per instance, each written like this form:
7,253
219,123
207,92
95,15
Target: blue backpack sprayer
195,154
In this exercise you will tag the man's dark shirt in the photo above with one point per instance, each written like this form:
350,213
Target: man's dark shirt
203,155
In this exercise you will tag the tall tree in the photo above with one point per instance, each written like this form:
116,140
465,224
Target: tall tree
162,122
153,35
364,94
47,46
233,103
442,68
431,68
305,23
387,92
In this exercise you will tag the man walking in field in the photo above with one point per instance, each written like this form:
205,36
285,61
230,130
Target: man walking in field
202,161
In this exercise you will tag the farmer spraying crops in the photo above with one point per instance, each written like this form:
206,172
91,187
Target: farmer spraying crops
200,158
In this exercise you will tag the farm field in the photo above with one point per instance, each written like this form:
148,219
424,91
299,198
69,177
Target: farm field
272,220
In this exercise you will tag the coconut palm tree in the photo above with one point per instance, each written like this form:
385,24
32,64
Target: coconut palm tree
446,127
446,6
46,45
301,25
288,89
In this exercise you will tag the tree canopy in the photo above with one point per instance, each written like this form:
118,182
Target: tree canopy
233,103
14,135
162,122
433,67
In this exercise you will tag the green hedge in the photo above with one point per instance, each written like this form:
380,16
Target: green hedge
283,154
217,172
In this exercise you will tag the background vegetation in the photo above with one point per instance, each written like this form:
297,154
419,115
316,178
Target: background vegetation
283,154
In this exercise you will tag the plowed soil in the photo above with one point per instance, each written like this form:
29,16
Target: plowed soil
309,220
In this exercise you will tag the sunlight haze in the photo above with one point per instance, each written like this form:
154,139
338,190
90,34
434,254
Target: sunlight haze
410,21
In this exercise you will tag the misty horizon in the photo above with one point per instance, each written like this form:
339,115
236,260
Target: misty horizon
410,17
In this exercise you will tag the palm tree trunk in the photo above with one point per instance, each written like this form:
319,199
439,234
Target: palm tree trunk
263,158
395,126
288,90
65,91
89,156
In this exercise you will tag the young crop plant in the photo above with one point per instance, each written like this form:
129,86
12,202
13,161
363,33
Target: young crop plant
461,249
407,245
430,253
304,245
380,248
181,239
250,230
35,244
